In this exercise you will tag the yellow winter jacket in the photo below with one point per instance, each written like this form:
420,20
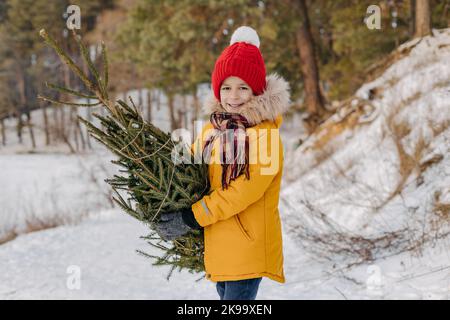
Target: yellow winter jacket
242,226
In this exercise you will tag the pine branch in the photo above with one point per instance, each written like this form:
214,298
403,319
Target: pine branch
153,183
67,60
57,102
69,91
105,67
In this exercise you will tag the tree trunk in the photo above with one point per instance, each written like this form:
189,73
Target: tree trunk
62,126
55,127
22,98
24,103
2,124
140,102
196,108
72,150
88,137
412,18
313,97
66,131
79,131
182,121
73,122
88,110
46,127
149,105
19,126
30,129
423,17
171,106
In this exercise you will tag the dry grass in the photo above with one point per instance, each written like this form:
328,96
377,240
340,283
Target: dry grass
34,223
11,235
378,68
330,130
325,239
408,163
440,209
423,166
349,114
328,241
438,128
392,81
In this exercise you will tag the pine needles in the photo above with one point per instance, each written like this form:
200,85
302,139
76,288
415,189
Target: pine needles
152,181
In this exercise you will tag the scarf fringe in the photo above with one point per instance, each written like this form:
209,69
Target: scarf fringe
222,123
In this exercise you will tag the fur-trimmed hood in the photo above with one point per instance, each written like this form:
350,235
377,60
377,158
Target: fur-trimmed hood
269,105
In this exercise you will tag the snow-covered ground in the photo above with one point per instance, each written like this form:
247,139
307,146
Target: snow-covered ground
43,190
81,248
96,259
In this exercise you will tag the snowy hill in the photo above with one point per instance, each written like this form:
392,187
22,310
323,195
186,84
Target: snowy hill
374,180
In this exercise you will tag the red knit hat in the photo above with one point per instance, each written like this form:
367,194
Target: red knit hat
242,59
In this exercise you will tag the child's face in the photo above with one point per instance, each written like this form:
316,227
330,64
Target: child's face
234,92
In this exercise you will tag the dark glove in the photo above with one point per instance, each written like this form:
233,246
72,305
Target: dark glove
173,225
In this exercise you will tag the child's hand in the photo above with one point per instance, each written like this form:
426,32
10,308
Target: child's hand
176,224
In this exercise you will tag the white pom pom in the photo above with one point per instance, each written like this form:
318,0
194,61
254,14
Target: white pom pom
245,34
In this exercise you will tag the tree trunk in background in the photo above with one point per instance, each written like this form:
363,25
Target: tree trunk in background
45,117
23,105
30,129
140,102
182,123
19,126
77,130
66,133
158,101
55,131
313,97
412,18
89,118
22,100
2,125
423,18
61,125
149,105
72,126
180,119
196,108
88,110
170,105
80,132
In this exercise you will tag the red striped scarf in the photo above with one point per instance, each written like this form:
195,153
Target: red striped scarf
231,128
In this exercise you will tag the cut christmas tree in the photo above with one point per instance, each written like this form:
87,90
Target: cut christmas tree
157,176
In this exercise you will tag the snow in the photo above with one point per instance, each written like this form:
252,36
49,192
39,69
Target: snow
368,155
70,243
101,251
50,188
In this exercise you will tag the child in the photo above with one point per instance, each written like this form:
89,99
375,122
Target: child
240,217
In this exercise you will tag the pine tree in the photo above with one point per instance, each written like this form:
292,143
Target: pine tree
153,182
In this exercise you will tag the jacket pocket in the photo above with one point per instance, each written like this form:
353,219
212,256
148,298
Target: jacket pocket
241,227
